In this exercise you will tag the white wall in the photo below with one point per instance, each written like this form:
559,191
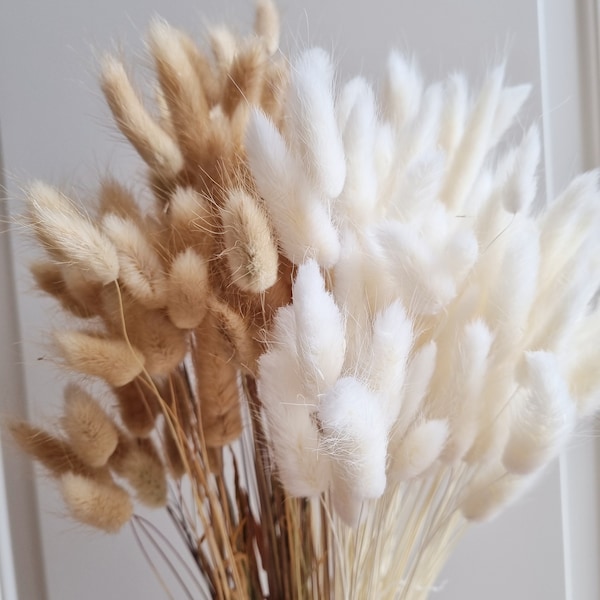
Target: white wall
54,126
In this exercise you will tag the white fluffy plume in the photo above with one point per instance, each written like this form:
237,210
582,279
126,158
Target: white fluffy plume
320,339
423,277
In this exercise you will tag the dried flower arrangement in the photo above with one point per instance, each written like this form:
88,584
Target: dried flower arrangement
321,341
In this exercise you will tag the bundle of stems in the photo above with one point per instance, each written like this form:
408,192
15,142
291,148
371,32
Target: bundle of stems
341,328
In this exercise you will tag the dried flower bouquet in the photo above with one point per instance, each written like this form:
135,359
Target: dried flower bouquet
342,330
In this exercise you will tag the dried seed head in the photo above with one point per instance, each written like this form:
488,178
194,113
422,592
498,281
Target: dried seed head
141,269
100,356
217,385
192,220
544,415
53,453
69,236
235,331
85,292
187,289
211,81
139,463
105,506
418,451
179,422
251,251
116,199
245,78
50,279
152,142
274,89
91,432
182,90
224,46
266,25
138,407
162,344
491,492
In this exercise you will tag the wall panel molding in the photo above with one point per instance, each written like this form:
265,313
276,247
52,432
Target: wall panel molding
570,75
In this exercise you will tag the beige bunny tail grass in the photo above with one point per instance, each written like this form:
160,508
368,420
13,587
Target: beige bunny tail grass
137,460
114,198
274,89
188,106
187,289
267,24
151,332
246,76
210,77
152,142
49,278
217,385
112,359
68,236
54,454
103,505
91,432
251,250
138,407
164,346
140,268
192,221
234,328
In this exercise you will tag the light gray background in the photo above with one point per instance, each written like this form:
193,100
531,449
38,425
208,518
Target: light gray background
54,126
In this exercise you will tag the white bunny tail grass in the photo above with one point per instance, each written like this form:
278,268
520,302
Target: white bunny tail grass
313,125
403,89
419,373
452,123
359,118
419,449
320,339
293,434
354,438
492,491
300,217
544,415
387,357
465,382
471,152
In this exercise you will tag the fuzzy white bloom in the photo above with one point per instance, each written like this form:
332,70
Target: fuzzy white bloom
300,216
320,339
354,439
440,324
302,467
313,126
